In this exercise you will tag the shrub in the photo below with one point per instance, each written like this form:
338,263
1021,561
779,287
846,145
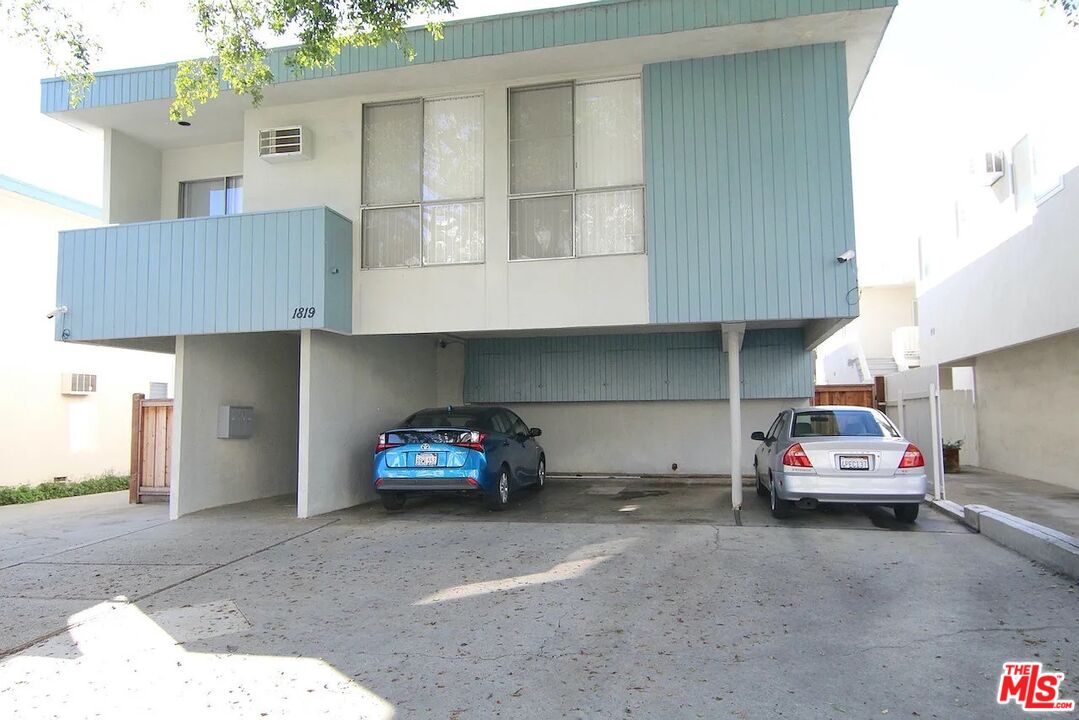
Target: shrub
50,490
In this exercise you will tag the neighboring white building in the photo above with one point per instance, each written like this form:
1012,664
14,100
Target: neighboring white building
999,292
882,340
46,431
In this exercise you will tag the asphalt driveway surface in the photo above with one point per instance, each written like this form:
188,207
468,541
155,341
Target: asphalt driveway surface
587,600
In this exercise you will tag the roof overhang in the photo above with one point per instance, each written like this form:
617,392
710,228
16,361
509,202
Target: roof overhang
221,120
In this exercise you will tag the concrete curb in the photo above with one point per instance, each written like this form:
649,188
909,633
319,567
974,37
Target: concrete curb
1051,548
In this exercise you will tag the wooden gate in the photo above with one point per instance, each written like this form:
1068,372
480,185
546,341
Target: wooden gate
151,448
858,395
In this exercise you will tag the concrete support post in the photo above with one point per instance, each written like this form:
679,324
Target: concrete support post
176,483
732,345
303,441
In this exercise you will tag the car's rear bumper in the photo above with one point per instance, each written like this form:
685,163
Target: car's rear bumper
851,489
425,484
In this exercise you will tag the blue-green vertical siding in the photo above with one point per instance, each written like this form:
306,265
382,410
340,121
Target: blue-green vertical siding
237,273
748,195
655,366
479,37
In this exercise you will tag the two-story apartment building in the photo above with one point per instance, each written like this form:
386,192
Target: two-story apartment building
621,219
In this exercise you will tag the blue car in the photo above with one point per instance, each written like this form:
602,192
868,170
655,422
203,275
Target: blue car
472,450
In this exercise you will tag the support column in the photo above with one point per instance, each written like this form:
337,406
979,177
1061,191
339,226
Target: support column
732,345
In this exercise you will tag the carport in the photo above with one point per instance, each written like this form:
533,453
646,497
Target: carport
245,370
665,404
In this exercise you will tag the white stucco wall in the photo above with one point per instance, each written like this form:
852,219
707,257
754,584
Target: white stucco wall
259,370
647,437
495,295
196,163
1021,290
44,434
351,389
132,179
1026,399
881,309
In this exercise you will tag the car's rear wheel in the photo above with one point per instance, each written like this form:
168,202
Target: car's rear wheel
500,498
780,508
393,500
541,474
906,513
762,491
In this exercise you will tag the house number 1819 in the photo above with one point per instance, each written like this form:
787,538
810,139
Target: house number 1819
303,313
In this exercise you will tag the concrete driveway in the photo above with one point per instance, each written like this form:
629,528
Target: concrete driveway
587,600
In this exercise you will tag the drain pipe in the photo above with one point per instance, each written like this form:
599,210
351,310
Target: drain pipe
732,345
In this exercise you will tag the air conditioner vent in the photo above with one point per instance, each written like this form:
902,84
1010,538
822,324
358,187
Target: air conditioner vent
284,144
78,384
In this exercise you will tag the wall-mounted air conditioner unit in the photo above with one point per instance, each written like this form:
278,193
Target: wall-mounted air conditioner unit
285,144
989,168
78,384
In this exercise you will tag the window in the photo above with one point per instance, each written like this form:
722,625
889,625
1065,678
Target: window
576,170
469,418
216,196
423,183
517,425
835,423
773,432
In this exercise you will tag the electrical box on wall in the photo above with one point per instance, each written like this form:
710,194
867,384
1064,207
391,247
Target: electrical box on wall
235,422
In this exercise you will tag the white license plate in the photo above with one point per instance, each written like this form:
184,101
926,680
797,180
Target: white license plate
853,462
426,459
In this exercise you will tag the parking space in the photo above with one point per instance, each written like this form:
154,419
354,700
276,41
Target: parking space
568,604
634,500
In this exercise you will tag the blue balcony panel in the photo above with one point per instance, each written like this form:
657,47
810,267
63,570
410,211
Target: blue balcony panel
280,270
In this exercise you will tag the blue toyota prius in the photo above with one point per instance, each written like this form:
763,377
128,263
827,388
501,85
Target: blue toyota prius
473,450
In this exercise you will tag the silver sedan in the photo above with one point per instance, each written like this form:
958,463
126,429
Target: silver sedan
838,454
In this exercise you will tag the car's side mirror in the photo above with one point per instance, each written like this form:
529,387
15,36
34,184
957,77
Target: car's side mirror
534,432
759,436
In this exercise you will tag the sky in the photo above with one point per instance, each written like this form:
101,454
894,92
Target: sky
952,78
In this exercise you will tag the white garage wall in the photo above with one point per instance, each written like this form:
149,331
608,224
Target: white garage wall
1026,409
351,389
647,437
260,370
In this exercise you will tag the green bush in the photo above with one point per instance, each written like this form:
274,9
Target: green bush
51,490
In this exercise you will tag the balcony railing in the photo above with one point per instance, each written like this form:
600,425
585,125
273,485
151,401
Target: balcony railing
280,270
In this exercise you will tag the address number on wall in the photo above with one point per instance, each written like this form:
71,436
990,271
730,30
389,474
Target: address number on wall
303,313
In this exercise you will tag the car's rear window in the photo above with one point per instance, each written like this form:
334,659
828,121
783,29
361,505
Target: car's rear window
445,419
838,423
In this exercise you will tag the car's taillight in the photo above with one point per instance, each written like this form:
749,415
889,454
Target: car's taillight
382,444
471,440
912,458
796,457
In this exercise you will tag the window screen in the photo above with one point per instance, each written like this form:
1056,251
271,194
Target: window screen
576,171
423,183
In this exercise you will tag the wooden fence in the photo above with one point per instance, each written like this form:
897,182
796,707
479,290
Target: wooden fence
151,448
858,395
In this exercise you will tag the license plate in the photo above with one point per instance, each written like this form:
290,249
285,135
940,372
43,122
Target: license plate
853,462
426,459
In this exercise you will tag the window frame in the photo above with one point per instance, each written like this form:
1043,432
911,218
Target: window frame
181,195
575,191
422,204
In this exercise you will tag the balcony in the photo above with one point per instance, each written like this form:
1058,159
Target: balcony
263,271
